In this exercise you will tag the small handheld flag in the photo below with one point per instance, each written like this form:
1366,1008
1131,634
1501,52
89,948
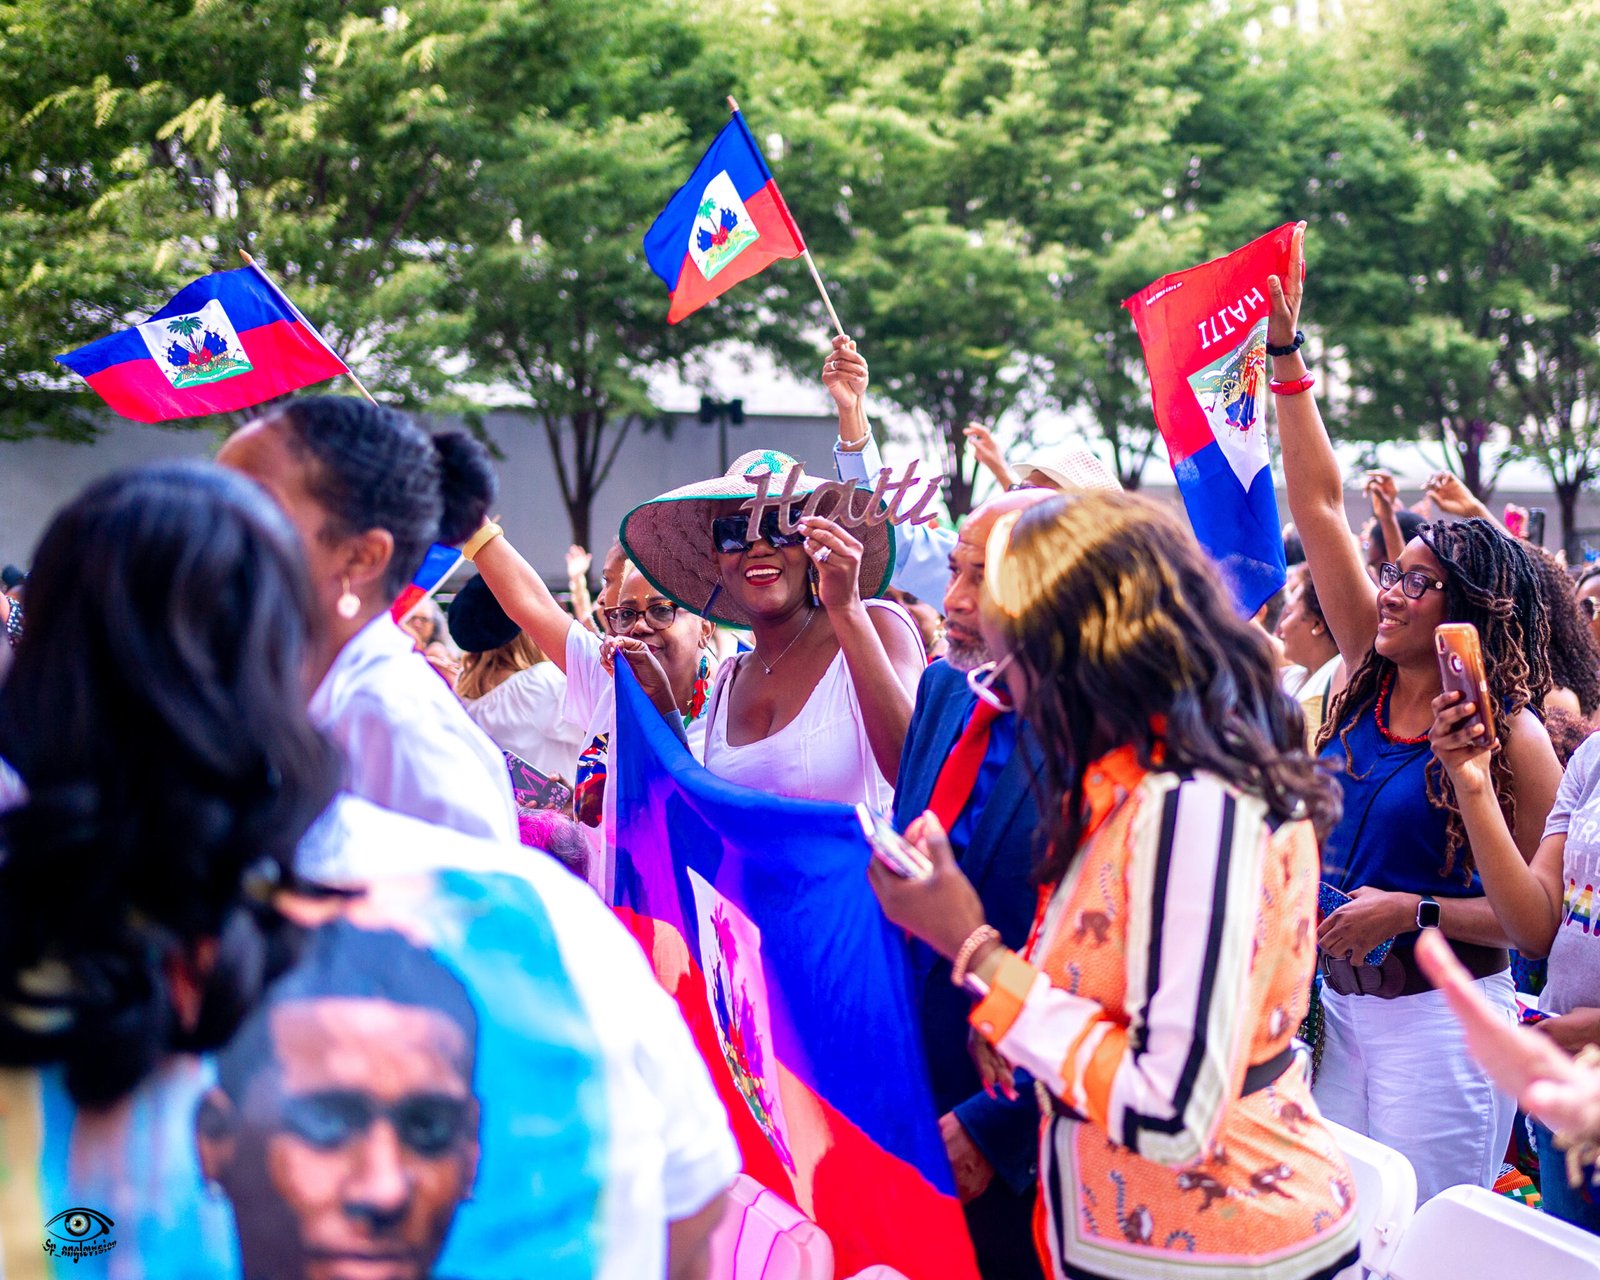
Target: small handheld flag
437,565
1204,334
724,225
226,342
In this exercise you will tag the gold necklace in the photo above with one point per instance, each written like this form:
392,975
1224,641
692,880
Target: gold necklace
810,617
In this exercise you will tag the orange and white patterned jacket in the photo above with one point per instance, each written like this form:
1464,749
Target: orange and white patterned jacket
1176,954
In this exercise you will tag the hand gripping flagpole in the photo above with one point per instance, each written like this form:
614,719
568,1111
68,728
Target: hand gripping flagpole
811,265
273,285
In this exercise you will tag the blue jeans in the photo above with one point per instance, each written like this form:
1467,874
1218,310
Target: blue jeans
1577,1205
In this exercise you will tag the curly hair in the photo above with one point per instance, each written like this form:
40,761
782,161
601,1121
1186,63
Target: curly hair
1491,582
1126,635
1574,655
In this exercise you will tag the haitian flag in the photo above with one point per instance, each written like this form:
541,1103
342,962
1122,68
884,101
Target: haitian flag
1204,334
437,565
226,342
757,916
722,226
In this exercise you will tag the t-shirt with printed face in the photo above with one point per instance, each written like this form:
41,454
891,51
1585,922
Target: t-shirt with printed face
1575,955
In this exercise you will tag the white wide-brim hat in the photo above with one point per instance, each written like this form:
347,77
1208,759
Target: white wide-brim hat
1073,470
669,538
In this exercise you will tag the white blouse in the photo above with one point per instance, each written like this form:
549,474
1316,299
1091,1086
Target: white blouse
408,743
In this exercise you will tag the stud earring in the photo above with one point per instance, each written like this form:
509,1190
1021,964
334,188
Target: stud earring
349,603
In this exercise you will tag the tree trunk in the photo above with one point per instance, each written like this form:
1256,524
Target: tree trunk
580,509
1567,499
958,485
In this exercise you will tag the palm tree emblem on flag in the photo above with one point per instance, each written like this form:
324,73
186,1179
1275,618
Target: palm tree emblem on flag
197,348
722,229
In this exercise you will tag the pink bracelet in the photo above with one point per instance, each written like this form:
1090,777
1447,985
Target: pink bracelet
958,967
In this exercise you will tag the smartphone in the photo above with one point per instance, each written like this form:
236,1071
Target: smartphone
891,848
532,790
1461,670
1536,526
1330,900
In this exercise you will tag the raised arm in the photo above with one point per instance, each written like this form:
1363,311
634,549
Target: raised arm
526,600
1316,488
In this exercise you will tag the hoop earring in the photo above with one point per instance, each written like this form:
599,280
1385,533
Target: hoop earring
349,603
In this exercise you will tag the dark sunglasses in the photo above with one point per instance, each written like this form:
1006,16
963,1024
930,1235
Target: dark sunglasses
728,532
660,615
1413,585
427,1123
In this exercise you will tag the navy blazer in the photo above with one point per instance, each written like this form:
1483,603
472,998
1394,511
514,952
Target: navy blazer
999,861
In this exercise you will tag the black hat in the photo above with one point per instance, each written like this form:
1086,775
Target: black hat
477,622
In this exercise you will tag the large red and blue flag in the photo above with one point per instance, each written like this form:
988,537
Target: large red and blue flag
724,225
437,565
1204,334
758,918
226,342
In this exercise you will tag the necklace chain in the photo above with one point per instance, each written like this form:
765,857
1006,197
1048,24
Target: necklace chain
769,666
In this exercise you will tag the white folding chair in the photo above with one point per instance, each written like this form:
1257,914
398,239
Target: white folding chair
764,1237
1386,1195
1465,1233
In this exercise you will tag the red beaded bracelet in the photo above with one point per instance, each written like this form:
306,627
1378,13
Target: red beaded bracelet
1293,388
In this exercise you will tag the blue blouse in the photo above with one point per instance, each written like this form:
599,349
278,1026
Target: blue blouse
1389,836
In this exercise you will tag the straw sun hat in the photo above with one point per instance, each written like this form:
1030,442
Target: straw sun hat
669,538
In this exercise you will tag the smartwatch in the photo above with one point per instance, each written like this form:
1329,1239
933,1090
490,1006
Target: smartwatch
1427,914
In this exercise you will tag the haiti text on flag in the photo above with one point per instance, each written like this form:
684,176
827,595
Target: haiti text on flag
1204,334
722,226
437,565
757,916
226,342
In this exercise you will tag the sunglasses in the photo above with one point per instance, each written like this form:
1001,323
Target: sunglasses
1413,585
660,615
426,1123
728,532
981,680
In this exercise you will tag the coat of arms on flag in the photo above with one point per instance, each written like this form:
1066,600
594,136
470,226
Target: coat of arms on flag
1229,391
196,348
723,229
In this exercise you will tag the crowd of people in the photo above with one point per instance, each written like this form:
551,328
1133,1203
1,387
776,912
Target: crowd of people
270,921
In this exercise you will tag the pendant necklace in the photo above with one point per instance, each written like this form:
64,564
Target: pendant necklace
768,667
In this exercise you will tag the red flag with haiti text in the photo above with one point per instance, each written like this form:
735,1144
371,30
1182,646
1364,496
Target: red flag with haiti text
1204,334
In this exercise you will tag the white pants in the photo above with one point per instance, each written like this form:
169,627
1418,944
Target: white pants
1399,1072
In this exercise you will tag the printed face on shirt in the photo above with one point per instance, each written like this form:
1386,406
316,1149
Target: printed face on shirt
1405,626
355,1146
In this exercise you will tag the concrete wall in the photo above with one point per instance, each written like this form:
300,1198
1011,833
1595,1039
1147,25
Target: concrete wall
38,476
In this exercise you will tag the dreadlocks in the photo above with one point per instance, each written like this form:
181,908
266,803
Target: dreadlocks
1491,582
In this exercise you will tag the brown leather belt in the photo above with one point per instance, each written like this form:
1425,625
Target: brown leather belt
1398,975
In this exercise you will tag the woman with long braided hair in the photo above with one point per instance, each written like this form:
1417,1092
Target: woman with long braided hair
1394,1062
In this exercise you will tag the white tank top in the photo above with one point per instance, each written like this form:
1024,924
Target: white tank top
822,754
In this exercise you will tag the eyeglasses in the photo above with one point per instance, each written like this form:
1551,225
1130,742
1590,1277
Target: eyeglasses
660,615
728,532
1589,606
981,680
426,1123
1413,584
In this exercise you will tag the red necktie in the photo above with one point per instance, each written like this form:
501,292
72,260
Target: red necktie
954,786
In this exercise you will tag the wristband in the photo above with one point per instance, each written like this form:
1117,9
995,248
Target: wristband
1288,350
958,967
1293,387
478,541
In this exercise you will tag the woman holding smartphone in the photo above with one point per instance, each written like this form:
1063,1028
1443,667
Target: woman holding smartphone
1394,1063
1156,1001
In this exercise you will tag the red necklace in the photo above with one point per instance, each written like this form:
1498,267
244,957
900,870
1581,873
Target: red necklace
1380,714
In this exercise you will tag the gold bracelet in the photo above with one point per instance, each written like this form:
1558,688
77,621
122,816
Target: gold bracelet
958,967
478,541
